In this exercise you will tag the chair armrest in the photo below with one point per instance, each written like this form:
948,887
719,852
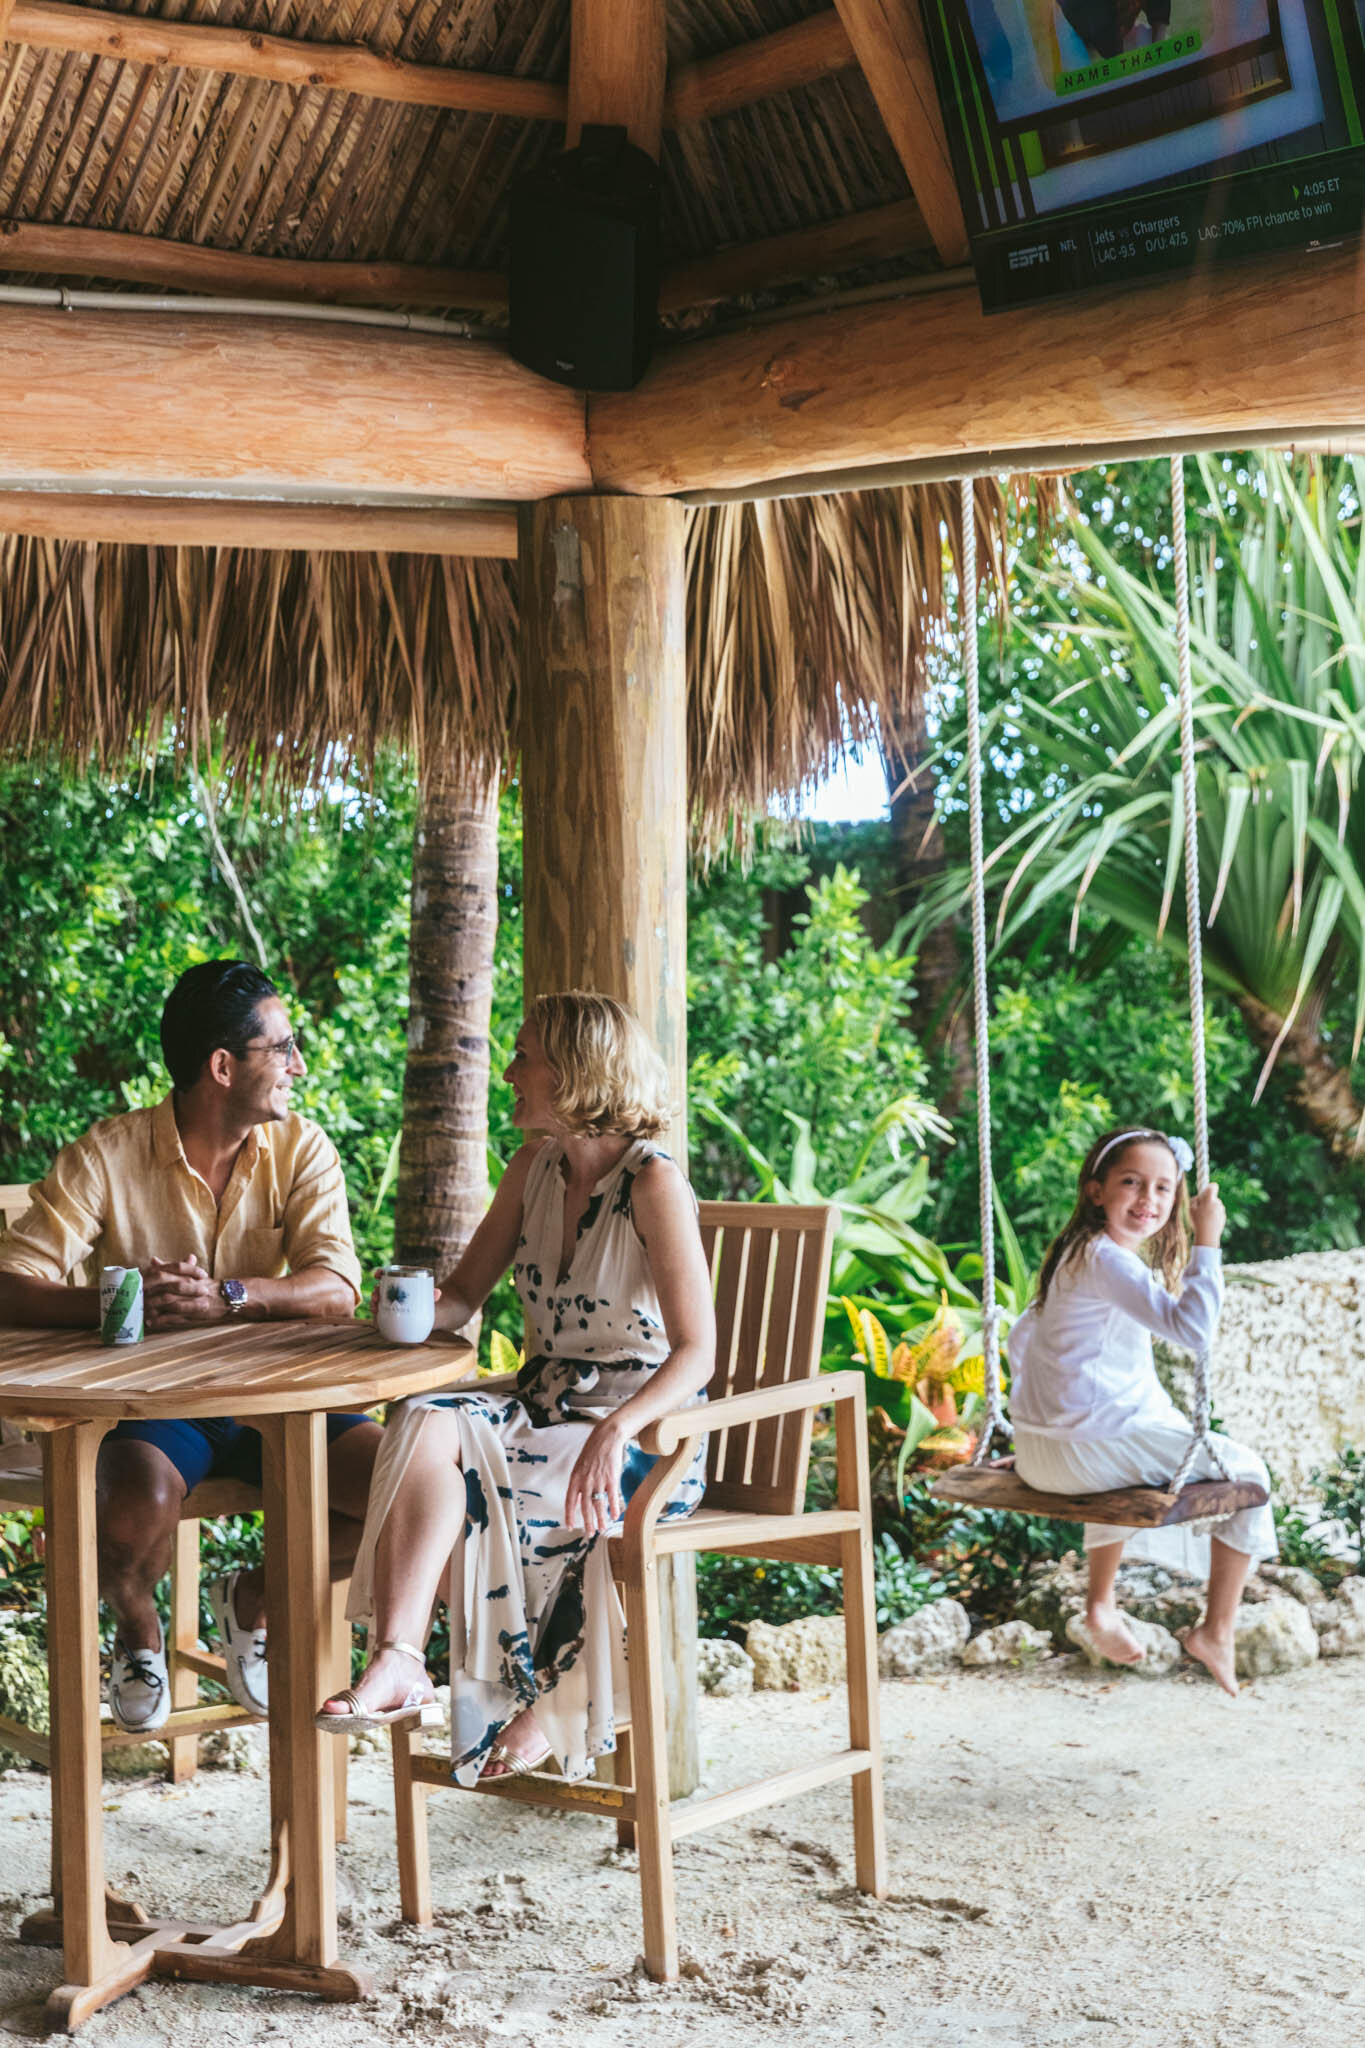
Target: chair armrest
733,1410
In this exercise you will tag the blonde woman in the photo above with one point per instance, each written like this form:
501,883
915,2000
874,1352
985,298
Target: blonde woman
495,1496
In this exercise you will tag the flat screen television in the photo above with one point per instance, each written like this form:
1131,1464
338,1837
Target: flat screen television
1095,140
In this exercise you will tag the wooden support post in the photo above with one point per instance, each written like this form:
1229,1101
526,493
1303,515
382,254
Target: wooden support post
184,1632
618,60
604,795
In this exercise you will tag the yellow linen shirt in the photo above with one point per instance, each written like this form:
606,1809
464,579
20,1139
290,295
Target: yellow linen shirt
127,1193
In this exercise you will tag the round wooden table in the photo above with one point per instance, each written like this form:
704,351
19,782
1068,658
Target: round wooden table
283,1378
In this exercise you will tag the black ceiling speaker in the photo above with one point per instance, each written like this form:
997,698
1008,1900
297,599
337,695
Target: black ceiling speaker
584,285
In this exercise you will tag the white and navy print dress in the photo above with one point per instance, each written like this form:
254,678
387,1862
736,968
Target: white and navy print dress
534,1613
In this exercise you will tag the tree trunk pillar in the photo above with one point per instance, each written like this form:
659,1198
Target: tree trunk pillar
604,795
443,1153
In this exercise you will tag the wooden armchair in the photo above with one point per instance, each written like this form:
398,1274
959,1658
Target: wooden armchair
770,1269
21,1490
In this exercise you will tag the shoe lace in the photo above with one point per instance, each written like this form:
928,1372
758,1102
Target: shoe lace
140,1669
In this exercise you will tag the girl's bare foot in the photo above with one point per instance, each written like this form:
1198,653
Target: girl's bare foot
522,1738
1112,1636
386,1682
1217,1654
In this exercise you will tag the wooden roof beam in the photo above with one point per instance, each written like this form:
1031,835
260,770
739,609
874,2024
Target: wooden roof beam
830,247
45,250
796,56
150,522
331,67
888,41
58,251
193,404
801,55
1256,352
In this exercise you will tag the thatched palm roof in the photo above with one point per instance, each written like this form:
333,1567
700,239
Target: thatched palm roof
252,148
810,621
184,156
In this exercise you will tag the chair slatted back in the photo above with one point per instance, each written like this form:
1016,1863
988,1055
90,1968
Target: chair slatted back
769,1267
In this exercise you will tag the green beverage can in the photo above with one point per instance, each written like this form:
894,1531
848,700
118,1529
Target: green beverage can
120,1305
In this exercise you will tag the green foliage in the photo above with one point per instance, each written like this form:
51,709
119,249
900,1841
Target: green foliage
816,1033
21,1562
1074,1051
733,1591
1342,1489
981,1558
23,1684
109,890
1303,1541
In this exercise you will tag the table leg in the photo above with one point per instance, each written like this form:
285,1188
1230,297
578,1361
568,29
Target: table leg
300,1950
97,1968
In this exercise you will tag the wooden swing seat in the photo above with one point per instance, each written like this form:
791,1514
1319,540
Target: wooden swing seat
1130,1507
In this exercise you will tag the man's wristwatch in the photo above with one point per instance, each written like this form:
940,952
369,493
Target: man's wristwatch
234,1294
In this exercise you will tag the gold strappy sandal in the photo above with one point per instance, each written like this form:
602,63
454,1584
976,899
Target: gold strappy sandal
514,1766
357,1717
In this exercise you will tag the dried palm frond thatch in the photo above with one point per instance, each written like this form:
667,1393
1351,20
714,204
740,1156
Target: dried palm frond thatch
809,624
293,663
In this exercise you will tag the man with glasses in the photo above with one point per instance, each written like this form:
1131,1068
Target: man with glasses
233,1207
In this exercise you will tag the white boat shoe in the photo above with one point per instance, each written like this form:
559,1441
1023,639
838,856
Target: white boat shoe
140,1688
243,1648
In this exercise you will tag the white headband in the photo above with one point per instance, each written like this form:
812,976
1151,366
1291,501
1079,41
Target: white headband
1183,1156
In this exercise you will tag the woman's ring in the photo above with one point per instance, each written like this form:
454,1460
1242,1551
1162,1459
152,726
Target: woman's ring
601,1496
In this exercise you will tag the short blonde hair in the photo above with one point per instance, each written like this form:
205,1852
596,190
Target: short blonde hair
609,1080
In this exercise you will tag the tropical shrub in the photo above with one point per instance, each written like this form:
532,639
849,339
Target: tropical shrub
1342,1490
733,1591
817,1032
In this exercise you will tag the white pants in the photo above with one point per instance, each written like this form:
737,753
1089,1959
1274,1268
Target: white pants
1148,1457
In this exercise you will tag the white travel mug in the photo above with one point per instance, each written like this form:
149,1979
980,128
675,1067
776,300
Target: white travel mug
407,1303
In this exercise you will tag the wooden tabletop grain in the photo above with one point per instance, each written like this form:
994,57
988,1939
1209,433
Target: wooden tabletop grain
235,1369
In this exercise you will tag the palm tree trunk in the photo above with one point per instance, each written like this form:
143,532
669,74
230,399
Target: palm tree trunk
443,1156
1322,1089
938,1013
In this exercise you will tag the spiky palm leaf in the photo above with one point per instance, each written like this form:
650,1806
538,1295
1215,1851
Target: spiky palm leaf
1280,731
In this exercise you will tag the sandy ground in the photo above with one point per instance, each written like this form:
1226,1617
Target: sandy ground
1074,1859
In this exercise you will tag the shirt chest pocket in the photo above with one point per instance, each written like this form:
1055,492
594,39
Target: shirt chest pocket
263,1254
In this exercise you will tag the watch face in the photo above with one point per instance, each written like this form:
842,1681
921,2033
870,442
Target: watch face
233,1293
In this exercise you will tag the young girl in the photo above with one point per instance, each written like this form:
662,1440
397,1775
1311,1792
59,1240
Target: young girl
1089,1412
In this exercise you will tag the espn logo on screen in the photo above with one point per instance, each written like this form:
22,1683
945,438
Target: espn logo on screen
1030,258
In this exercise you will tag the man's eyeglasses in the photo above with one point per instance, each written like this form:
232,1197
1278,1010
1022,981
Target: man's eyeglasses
283,1049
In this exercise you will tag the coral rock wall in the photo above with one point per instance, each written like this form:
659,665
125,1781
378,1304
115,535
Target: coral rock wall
1289,1361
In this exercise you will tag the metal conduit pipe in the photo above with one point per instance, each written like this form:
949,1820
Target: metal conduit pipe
61,297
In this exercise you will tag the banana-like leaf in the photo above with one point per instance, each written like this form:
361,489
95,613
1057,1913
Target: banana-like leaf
921,1425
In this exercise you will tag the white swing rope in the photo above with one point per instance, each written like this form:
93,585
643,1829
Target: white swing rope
1194,935
990,1317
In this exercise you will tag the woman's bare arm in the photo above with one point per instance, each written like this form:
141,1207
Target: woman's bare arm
666,1220
490,1250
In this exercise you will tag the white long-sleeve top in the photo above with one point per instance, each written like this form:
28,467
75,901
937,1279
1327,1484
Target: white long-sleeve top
1081,1362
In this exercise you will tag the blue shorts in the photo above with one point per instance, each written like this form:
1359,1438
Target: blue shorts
213,1446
